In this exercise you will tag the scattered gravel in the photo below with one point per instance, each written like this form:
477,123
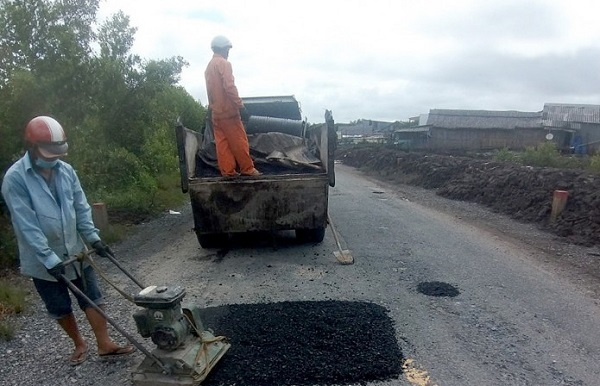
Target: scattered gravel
362,343
39,354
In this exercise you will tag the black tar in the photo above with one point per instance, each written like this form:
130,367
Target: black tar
304,343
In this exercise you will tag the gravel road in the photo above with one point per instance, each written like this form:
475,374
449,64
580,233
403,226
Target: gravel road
484,335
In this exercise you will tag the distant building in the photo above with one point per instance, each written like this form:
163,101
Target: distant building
582,122
572,127
365,130
444,129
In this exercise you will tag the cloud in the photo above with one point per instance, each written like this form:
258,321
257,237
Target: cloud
383,59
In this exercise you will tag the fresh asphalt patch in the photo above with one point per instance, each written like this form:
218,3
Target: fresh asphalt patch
304,343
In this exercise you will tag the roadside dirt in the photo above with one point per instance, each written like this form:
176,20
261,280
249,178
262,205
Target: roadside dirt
492,195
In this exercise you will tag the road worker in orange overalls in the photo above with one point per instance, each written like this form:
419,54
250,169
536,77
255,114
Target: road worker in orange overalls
227,111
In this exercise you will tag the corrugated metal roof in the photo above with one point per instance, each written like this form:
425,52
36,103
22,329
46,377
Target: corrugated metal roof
556,113
483,119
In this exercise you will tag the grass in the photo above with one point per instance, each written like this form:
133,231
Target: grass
8,243
547,155
12,301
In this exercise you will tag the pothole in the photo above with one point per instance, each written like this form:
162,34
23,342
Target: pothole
437,288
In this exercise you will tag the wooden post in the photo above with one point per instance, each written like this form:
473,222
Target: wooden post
100,216
559,200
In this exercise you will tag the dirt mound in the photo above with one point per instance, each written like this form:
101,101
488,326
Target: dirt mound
522,192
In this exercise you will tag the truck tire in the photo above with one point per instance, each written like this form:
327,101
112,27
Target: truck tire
315,235
212,240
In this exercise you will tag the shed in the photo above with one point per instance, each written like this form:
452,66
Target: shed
450,129
483,119
581,120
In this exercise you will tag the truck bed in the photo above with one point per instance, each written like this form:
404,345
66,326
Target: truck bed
282,198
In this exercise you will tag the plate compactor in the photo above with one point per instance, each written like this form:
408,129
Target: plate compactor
185,353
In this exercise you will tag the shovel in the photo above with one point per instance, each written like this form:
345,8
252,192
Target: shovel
343,256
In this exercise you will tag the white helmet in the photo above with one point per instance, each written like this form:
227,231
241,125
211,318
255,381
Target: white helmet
220,42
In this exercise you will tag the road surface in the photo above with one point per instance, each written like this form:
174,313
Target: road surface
508,318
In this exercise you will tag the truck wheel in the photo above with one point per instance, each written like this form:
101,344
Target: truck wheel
315,235
212,240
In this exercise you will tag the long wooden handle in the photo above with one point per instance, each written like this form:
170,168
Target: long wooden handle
335,234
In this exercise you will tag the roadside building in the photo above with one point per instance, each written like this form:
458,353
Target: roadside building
447,129
365,130
581,122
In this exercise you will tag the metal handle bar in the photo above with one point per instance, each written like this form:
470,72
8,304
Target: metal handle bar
110,257
130,338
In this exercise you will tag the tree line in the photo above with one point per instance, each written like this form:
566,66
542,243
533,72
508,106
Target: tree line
118,109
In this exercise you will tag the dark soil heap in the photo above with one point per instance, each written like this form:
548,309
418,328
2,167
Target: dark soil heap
522,192
304,343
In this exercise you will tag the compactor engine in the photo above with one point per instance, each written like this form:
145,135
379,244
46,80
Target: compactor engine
162,317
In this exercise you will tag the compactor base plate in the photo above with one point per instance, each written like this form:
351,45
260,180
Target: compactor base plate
190,364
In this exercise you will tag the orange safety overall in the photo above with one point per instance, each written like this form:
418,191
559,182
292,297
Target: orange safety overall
225,104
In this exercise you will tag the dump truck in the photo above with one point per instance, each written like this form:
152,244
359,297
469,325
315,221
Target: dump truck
296,160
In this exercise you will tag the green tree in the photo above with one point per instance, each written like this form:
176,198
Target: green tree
119,110
50,39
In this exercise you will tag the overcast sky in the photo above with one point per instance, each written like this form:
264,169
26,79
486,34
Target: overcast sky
383,59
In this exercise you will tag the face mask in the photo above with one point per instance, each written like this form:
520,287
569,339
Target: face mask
45,164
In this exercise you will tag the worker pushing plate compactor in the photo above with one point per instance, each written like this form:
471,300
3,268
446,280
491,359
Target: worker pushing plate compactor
185,353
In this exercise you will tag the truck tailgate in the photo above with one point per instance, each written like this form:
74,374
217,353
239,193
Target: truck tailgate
276,202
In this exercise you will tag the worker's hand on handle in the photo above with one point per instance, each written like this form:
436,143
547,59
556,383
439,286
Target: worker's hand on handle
244,114
101,248
57,271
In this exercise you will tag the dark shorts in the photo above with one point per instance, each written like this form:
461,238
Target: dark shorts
56,295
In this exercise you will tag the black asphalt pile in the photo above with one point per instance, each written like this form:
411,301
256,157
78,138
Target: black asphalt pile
522,192
304,343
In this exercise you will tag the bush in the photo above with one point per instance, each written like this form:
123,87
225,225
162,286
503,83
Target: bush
545,155
159,153
136,196
594,163
505,155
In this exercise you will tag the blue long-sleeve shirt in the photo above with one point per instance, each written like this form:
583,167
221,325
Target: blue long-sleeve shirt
47,226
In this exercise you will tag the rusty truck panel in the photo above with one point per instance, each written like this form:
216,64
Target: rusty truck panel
278,203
